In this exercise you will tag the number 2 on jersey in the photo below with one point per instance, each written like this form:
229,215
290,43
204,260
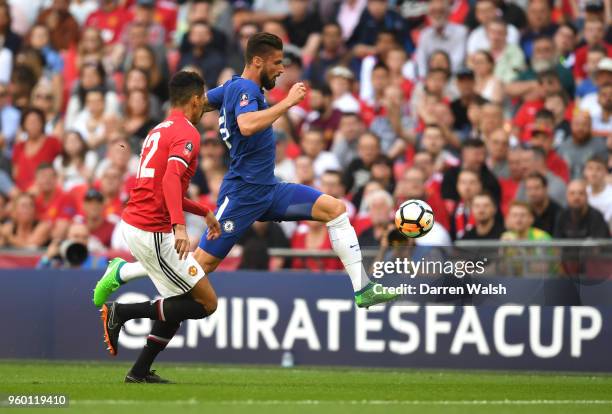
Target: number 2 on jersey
152,141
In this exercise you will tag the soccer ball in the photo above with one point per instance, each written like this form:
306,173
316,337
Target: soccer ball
414,218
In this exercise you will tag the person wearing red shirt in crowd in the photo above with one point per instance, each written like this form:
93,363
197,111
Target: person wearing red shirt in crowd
313,235
109,19
144,13
323,115
36,149
293,73
110,188
100,228
542,136
433,179
549,83
509,186
462,220
52,203
412,186
594,35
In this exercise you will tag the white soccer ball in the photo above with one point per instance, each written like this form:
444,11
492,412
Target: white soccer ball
414,218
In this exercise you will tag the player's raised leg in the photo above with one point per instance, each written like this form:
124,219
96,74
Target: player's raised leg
346,245
118,272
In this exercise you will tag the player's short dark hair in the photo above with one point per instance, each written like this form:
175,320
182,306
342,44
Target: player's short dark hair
261,44
535,175
183,86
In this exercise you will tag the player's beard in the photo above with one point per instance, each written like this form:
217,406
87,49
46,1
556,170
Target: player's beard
266,81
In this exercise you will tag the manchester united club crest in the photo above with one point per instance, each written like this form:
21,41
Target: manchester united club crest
192,271
244,99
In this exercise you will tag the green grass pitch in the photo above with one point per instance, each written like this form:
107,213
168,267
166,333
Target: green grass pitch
97,387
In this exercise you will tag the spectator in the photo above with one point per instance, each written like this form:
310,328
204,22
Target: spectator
12,41
92,75
486,12
284,167
519,223
464,81
433,142
322,115
255,243
541,136
462,219
313,146
582,146
340,80
63,28
487,85
138,121
357,173
45,99
331,184
36,148
557,104
91,122
379,205
144,59
441,35
331,53
144,15
349,15
76,163
52,203
545,210
89,50
602,121
399,68
110,19
292,61
381,172
114,198
346,137
594,32
579,220
303,26
591,102
39,39
588,85
539,25
375,18
202,55
565,42
203,11
304,171
534,160
313,235
487,223
509,57
138,80
24,230
92,216
473,157
385,41
491,118
599,192
9,119
497,153
235,60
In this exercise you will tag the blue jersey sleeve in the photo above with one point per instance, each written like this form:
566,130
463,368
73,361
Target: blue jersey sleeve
247,95
215,96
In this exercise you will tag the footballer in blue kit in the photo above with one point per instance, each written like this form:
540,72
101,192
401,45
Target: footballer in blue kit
250,192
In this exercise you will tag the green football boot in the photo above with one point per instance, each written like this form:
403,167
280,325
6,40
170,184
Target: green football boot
109,282
366,297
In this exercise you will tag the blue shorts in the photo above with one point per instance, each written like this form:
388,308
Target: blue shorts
240,204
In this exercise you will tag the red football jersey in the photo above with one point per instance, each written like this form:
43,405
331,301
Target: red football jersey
174,140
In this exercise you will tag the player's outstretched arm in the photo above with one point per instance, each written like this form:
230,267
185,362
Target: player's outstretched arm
252,122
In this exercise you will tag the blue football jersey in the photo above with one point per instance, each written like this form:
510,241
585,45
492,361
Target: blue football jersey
251,157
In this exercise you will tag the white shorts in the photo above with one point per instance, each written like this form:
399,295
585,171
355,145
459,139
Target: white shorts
156,253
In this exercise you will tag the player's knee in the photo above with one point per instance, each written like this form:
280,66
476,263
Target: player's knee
209,305
336,209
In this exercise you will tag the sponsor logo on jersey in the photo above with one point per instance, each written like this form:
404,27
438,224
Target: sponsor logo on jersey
244,99
228,226
193,271
188,148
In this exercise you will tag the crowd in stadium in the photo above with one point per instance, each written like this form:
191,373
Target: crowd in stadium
497,113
